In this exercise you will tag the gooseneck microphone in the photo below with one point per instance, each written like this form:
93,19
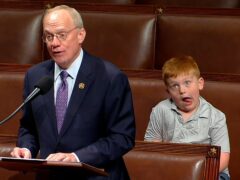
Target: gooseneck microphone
42,87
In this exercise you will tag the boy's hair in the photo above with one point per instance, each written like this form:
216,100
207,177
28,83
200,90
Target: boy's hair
179,66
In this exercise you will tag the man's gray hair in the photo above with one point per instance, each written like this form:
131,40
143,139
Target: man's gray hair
77,19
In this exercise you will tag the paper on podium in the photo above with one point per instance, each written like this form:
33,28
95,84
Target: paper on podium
22,159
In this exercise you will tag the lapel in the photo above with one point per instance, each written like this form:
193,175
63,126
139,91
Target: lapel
84,79
48,100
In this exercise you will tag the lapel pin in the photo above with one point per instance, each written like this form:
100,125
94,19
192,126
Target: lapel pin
81,85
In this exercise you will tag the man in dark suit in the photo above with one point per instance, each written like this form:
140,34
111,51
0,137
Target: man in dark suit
97,127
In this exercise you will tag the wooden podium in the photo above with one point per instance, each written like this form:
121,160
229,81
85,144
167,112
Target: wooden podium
49,169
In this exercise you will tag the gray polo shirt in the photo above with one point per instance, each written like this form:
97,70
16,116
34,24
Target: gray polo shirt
206,126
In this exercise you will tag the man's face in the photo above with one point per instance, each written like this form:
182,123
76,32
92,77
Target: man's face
184,91
64,39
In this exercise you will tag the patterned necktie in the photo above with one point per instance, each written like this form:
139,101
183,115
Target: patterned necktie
61,100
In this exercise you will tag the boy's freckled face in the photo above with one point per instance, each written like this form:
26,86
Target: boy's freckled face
184,91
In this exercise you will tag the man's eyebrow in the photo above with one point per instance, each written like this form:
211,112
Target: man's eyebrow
58,31
46,31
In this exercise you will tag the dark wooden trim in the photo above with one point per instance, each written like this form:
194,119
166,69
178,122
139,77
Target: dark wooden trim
190,149
134,73
101,7
14,67
135,8
157,74
202,11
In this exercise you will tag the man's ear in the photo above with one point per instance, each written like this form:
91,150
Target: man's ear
200,83
81,35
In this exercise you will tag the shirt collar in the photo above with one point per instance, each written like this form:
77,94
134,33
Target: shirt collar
72,70
201,112
203,109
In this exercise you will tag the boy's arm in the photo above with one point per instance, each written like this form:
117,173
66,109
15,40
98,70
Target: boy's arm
224,160
153,132
219,137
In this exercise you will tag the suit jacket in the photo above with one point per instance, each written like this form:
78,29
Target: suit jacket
99,125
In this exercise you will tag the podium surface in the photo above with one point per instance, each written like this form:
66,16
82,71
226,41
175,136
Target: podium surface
41,166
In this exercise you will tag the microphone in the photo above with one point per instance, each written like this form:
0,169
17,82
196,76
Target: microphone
42,87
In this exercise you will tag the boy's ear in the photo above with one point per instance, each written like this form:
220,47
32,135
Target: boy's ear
169,95
166,87
200,83
167,90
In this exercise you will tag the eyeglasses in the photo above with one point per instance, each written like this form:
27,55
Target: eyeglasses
61,36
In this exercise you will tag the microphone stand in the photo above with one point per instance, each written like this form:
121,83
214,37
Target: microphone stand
30,97
11,115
